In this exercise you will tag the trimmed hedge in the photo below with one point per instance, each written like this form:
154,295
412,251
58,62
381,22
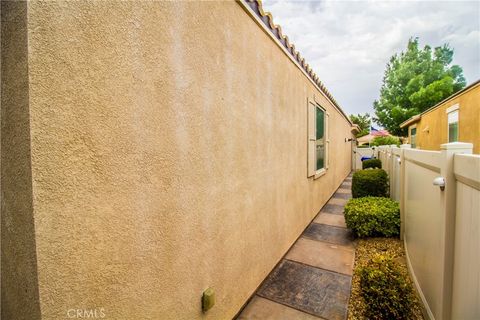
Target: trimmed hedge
373,216
385,288
371,182
372,163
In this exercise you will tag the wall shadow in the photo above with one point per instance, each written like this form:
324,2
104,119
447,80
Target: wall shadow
19,278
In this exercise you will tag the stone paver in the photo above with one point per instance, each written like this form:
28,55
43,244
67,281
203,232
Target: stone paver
263,309
343,190
332,208
339,201
342,195
337,220
326,294
323,255
323,232
313,281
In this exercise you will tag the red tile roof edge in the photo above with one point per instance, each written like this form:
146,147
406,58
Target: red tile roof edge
276,30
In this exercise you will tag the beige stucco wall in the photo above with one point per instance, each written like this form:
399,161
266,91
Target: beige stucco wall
168,155
432,128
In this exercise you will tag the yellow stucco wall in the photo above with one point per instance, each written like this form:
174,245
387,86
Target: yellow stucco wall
168,155
432,128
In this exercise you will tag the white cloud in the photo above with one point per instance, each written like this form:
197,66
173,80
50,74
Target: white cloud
348,43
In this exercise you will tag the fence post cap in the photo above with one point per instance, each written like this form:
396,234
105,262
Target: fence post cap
456,146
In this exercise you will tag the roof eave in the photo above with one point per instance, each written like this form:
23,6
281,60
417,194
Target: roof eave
355,128
410,121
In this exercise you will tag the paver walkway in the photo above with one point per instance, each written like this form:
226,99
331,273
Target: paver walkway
313,280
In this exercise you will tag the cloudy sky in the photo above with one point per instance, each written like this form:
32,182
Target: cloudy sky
349,43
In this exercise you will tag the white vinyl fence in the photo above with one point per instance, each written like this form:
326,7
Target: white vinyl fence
358,153
439,195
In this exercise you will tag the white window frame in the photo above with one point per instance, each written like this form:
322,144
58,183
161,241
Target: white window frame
453,108
312,126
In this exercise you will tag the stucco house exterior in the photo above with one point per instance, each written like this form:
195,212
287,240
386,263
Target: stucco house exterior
151,150
457,118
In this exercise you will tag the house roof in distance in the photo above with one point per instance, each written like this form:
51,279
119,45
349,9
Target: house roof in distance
417,117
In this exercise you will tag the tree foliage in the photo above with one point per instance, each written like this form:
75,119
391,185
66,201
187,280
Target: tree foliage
385,141
414,81
363,121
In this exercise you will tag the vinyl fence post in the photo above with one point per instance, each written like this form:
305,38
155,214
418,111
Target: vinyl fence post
449,197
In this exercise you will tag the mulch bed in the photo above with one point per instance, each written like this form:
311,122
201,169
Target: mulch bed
365,250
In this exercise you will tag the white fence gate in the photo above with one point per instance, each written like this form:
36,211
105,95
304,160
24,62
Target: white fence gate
358,153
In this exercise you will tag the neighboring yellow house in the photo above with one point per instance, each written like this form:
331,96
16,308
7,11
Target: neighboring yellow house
153,149
457,118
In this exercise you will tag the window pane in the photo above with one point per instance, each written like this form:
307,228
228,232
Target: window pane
453,117
320,154
413,137
320,123
453,126
320,138
453,132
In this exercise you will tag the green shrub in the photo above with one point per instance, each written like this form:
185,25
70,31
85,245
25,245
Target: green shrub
373,216
372,163
385,288
370,182
385,140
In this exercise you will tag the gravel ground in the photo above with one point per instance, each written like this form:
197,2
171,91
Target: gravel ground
365,250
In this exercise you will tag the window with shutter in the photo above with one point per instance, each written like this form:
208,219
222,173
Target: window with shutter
317,140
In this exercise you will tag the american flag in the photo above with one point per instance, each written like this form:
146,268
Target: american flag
378,133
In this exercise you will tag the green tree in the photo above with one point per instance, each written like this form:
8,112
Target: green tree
414,81
385,140
363,121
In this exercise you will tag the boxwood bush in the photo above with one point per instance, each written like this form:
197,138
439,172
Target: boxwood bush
370,182
373,216
372,163
385,288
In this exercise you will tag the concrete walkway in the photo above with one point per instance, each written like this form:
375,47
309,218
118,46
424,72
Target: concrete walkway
313,280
